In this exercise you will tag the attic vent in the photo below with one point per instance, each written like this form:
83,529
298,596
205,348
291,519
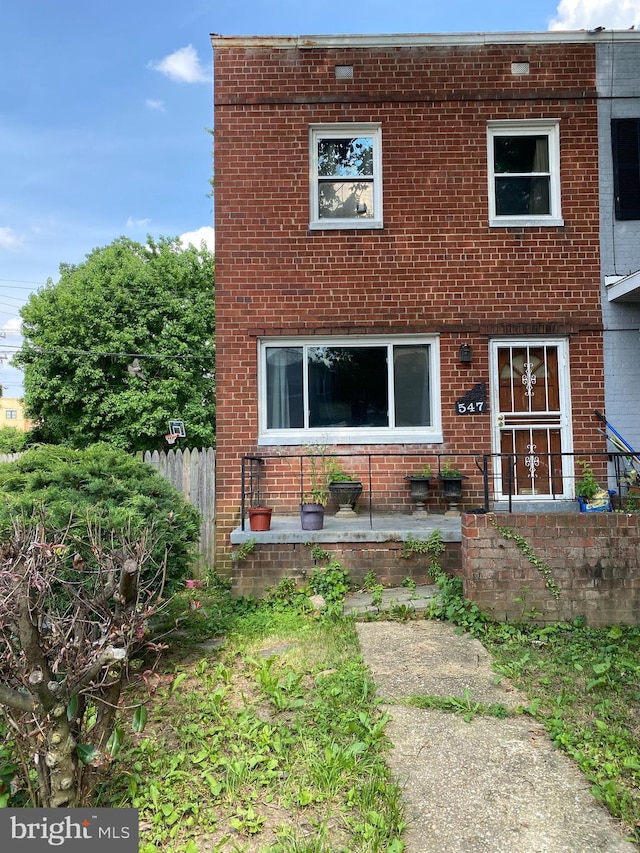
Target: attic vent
519,67
344,72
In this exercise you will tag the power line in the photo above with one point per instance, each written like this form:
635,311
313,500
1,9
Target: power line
23,281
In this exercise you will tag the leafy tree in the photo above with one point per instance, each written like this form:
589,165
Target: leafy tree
89,539
122,344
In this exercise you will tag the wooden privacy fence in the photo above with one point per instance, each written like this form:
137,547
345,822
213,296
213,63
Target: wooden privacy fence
193,473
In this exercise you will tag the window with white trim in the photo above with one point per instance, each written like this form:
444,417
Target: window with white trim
524,172
345,176
373,389
11,414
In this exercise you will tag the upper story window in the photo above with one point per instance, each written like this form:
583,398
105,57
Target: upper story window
372,389
625,139
524,172
346,176
11,414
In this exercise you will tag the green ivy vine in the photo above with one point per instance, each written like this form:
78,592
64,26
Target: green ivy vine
523,546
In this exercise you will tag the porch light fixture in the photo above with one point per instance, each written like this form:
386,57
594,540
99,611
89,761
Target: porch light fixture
465,354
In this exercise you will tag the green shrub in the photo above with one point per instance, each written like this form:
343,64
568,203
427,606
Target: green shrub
12,440
100,489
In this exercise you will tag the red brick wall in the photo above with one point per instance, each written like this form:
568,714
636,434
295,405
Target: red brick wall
269,564
593,558
436,266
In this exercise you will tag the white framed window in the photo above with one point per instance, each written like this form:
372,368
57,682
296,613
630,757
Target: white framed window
524,172
345,175
349,390
11,414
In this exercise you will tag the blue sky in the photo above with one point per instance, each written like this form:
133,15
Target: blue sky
104,106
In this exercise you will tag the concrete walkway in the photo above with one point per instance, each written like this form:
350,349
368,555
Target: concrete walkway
485,786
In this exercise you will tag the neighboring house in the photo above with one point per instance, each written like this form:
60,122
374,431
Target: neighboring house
406,225
12,414
618,65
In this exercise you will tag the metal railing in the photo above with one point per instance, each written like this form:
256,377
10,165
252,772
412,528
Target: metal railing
508,480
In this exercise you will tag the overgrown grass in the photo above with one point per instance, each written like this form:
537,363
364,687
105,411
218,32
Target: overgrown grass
584,685
274,742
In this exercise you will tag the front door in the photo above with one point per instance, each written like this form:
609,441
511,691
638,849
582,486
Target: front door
531,418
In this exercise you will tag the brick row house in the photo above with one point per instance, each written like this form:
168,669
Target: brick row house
407,263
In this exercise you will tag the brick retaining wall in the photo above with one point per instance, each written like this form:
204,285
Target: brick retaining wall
593,557
270,563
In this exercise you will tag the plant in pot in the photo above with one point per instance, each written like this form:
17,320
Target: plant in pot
315,500
451,479
259,515
420,482
343,488
591,497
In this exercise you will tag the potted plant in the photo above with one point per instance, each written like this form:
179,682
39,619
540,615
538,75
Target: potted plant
259,515
451,479
343,488
315,500
420,482
591,497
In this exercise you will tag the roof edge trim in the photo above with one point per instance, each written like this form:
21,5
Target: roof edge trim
422,39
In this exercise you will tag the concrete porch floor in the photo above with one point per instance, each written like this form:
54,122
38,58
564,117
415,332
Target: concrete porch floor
379,527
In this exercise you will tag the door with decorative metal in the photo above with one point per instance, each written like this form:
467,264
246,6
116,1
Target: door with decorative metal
531,418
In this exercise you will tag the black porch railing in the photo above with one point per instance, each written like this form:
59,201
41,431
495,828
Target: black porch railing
507,480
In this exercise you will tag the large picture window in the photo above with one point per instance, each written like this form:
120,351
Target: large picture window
346,176
524,173
349,390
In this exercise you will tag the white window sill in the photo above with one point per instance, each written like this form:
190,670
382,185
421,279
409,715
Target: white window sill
344,224
352,436
525,221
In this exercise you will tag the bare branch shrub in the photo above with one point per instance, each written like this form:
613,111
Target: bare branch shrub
74,608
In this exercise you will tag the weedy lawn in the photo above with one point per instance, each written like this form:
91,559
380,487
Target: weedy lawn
273,742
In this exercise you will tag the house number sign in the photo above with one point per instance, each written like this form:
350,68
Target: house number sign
474,402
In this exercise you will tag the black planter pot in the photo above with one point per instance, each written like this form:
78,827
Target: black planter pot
452,487
452,491
345,493
419,493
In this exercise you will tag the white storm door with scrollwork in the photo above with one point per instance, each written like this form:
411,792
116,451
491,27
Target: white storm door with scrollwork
531,418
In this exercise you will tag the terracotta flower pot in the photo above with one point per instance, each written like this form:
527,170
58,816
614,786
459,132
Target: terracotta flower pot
260,518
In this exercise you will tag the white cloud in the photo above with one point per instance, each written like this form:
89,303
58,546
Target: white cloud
206,235
9,239
137,223
182,65
152,104
588,14
13,327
